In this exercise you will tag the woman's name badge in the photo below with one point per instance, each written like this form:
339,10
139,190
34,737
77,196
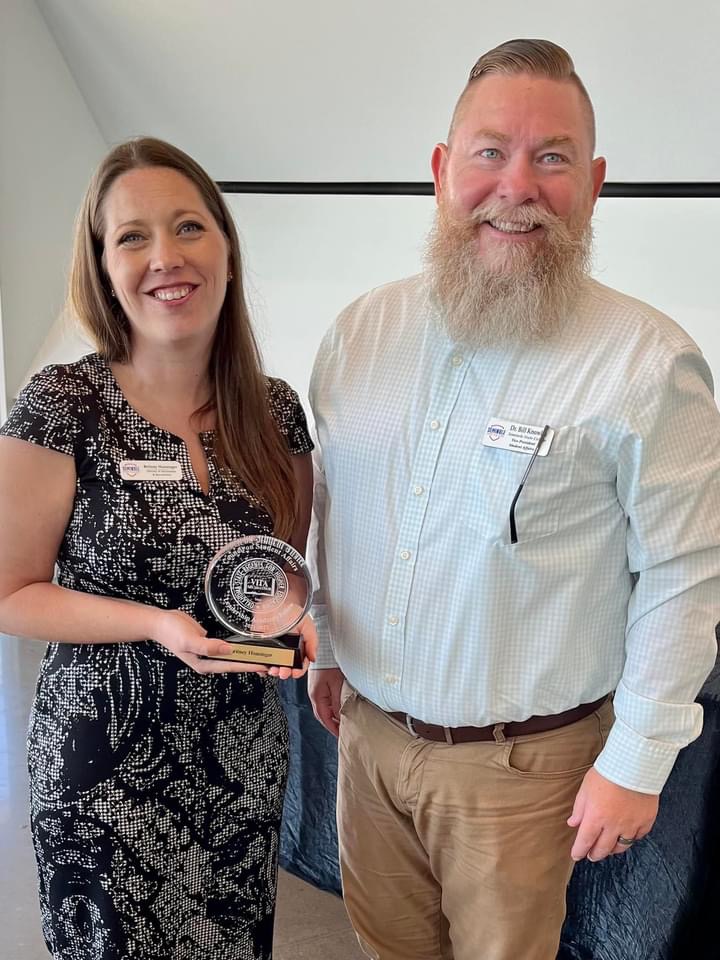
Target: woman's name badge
519,437
150,470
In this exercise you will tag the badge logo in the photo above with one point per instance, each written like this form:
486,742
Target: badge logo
495,431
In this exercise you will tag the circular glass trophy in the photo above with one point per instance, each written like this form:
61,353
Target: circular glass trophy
260,588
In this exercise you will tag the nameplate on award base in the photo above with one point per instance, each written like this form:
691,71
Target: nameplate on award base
278,652
260,588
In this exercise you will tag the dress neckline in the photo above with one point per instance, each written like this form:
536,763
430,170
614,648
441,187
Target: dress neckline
205,435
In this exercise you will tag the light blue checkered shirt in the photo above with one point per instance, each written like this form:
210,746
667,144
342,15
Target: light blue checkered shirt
614,583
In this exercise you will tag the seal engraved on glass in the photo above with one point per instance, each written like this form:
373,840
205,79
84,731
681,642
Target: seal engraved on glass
260,588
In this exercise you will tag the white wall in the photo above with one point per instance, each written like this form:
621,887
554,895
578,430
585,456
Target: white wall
49,145
322,90
308,256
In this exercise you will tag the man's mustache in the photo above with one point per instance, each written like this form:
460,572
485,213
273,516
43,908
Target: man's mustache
524,216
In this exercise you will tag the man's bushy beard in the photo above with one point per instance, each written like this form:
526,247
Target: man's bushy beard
514,292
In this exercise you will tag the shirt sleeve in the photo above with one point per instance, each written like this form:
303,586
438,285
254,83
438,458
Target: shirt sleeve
290,417
46,412
316,559
316,555
668,482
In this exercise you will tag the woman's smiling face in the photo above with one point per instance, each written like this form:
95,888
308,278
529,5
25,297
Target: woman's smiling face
165,255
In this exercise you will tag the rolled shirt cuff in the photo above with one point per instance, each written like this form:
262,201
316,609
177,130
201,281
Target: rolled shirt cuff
636,762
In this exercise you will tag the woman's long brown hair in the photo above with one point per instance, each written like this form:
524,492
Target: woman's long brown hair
248,441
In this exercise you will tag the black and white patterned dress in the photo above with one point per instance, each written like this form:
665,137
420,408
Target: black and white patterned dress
156,793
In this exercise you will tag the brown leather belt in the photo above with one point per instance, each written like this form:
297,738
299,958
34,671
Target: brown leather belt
495,731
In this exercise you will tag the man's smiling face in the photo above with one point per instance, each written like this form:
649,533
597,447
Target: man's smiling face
519,159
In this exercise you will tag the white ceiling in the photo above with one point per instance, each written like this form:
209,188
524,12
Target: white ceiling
335,89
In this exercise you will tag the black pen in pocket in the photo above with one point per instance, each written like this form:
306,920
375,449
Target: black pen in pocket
513,528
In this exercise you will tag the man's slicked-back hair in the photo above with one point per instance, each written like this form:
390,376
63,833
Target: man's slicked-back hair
539,58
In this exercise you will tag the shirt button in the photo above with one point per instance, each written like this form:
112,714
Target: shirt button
391,678
457,360
393,620
434,424
404,554
418,489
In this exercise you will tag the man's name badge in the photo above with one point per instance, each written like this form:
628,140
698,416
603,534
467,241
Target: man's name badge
150,470
518,437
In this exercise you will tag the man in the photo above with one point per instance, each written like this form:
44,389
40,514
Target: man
522,516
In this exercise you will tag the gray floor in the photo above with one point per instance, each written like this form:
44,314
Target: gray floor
310,924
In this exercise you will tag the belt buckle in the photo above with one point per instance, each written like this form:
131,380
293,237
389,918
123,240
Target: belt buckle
410,724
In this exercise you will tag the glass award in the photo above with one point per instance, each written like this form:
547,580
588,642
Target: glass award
259,588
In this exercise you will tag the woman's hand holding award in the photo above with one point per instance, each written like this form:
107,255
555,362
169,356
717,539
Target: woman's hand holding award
260,588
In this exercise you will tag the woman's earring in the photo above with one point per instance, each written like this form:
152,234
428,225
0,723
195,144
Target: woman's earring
230,275
113,294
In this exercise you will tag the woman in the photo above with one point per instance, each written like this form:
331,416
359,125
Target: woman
157,775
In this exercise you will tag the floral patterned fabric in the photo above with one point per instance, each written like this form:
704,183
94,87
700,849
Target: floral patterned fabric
156,793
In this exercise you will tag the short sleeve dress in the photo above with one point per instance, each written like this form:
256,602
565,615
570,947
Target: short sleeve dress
156,793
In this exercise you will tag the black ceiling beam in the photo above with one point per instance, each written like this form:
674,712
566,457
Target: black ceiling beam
418,188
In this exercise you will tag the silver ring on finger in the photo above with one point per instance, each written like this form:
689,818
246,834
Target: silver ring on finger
624,842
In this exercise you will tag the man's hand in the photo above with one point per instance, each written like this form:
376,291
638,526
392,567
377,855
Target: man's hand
604,811
324,688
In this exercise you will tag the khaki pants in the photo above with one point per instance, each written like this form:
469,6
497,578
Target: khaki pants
457,852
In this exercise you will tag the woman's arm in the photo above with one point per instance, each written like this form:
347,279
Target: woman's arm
37,491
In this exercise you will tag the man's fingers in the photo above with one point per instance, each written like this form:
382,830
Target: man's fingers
324,687
585,840
332,726
634,836
575,818
603,846
610,842
327,717
609,811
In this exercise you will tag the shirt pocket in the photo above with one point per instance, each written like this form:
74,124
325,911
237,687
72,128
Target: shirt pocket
494,479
